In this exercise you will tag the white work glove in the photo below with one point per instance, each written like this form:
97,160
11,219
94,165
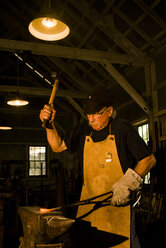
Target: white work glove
123,187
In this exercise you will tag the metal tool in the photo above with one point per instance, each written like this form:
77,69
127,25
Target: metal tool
97,203
52,97
84,202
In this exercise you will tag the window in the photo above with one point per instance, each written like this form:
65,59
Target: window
37,160
143,131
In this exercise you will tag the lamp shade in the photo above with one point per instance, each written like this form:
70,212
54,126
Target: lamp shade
17,102
4,125
48,28
5,128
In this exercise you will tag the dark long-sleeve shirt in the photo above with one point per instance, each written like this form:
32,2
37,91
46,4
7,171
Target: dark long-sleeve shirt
131,147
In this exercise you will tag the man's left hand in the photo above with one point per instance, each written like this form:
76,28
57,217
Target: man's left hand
122,189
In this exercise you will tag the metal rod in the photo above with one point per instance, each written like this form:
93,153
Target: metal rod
83,202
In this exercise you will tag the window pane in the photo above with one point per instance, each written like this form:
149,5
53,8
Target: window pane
31,153
43,156
143,131
37,160
43,168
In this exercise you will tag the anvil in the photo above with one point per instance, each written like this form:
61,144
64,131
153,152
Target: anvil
42,227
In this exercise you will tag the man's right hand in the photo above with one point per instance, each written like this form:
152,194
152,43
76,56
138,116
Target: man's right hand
48,113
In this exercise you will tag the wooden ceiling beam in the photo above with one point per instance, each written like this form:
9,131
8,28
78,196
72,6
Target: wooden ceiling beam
133,25
76,106
76,80
109,30
149,11
35,91
14,111
71,52
127,87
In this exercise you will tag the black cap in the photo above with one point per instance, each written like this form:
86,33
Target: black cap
99,99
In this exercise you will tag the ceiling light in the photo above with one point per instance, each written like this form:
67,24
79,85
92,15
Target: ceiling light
4,125
17,102
5,128
48,28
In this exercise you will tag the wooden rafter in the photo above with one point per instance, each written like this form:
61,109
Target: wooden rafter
126,86
110,31
71,52
71,73
76,106
36,91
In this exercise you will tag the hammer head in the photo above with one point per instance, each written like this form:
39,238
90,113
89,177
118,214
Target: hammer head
53,75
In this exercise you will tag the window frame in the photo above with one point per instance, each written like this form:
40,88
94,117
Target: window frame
37,176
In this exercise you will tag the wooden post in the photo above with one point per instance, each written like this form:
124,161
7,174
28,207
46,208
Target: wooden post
155,105
152,99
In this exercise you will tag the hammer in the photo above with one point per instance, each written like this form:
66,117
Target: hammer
52,97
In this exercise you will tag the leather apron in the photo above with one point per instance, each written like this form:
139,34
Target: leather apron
102,169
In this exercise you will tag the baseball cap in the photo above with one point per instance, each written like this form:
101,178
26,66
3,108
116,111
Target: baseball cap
99,99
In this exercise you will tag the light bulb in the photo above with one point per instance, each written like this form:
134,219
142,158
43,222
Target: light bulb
49,22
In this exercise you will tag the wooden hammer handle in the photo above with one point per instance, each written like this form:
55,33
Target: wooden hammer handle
53,93
51,100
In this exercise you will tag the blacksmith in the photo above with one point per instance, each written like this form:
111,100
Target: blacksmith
114,158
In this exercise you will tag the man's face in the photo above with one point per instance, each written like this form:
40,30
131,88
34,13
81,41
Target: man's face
100,119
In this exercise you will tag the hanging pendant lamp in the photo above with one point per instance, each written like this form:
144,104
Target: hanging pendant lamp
17,100
5,128
4,124
48,27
